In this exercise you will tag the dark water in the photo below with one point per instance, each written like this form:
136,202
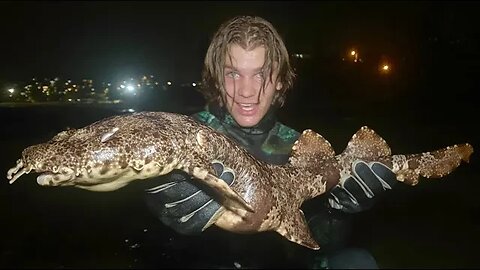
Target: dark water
432,225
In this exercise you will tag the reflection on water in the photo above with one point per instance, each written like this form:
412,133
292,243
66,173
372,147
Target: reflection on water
432,225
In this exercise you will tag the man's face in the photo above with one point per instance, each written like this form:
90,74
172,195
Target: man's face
244,78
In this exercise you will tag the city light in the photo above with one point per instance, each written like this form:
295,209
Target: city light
301,55
57,89
353,56
385,68
385,64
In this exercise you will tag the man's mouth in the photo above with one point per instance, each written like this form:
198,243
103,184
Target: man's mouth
246,106
247,109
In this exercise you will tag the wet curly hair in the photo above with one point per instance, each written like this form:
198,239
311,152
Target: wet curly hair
249,32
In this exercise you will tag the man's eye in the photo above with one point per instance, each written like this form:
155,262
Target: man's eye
259,75
232,74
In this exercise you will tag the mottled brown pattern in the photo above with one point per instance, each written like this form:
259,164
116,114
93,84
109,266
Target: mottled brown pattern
110,153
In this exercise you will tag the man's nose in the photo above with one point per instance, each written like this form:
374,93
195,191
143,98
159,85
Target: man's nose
247,88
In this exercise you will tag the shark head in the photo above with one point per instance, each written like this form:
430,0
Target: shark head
103,156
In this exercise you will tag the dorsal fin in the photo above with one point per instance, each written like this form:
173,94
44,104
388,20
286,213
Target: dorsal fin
310,148
365,143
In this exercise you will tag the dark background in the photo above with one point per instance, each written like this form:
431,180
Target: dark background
428,101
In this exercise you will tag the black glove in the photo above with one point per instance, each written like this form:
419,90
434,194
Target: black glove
357,192
184,204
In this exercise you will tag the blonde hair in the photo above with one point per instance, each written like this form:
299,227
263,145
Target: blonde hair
248,32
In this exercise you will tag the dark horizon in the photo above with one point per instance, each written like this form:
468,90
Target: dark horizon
109,39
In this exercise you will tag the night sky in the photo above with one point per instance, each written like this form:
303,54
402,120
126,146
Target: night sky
106,39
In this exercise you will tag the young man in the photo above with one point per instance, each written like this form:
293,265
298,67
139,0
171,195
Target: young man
245,80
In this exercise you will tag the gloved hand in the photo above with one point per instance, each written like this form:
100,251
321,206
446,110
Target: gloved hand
184,204
357,192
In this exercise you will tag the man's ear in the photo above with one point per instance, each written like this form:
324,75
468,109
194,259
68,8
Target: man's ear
279,85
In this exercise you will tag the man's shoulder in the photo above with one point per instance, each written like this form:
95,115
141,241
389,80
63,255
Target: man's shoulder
203,116
285,132
206,117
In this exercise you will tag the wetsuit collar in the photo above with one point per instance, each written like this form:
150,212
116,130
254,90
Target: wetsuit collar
264,126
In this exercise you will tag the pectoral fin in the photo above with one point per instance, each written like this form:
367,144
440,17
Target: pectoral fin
295,229
230,199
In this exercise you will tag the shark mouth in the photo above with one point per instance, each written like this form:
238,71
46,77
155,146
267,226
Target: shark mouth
54,179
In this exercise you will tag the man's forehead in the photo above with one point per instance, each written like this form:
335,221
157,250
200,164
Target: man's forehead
237,56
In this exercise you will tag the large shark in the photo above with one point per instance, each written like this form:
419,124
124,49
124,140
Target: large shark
110,153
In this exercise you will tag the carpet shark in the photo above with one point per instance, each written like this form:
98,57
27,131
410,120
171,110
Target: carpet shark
112,152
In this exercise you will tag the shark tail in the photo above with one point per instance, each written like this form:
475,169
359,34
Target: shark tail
435,164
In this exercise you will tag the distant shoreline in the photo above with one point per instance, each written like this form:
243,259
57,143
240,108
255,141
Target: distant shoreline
61,103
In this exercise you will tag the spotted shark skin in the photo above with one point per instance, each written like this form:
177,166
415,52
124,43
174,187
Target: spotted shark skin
112,152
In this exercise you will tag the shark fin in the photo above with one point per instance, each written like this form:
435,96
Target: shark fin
365,143
227,196
296,230
309,149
